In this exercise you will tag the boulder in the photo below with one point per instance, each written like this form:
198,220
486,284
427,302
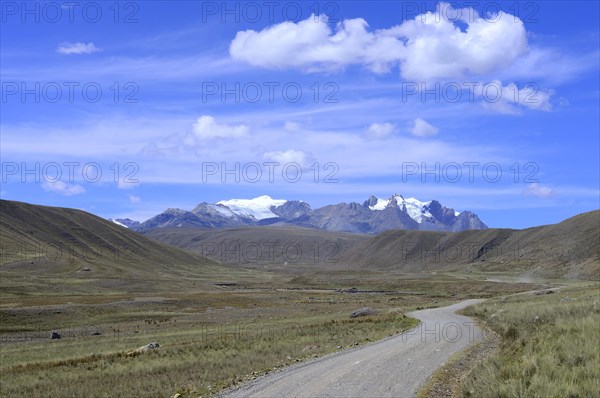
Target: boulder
145,348
149,346
363,312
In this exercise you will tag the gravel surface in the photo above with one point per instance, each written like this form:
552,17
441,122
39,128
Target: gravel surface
394,367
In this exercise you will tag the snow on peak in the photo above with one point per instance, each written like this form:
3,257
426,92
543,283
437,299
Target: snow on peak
380,204
223,210
259,208
174,211
118,223
414,207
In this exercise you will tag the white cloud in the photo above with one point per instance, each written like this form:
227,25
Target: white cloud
127,183
493,95
551,65
504,99
63,188
378,131
134,199
289,156
437,48
538,190
77,48
206,128
421,128
427,47
291,127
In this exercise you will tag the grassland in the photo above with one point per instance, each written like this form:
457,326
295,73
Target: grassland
203,348
210,339
108,291
550,346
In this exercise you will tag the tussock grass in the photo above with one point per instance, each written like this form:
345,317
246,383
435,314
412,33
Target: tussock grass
209,338
550,346
196,359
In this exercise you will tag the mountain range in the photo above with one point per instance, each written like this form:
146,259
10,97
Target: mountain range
569,249
53,248
373,216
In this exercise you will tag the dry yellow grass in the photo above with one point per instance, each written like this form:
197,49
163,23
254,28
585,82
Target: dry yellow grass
549,346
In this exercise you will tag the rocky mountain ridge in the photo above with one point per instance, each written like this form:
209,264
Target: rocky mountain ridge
373,216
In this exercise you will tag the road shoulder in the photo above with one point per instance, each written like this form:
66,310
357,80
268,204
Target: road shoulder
447,381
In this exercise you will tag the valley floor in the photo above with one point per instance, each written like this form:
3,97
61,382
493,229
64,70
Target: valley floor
210,338
214,338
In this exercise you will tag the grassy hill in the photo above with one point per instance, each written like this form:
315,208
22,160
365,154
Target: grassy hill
274,247
570,249
59,250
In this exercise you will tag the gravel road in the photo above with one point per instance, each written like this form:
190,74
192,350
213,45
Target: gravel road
394,367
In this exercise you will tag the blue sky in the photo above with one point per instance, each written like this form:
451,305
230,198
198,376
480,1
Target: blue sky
174,103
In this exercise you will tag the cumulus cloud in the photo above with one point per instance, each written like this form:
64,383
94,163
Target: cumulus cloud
77,48
63,188
538,190
206,127
427,47
289,156
421,128
379,131
205,132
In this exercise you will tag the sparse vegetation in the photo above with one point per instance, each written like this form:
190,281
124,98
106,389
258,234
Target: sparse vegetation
549,346
218,325
208,340
200,352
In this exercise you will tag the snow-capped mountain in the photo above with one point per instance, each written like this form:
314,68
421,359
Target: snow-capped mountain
429,215
375,215
413,207
416,209
259,208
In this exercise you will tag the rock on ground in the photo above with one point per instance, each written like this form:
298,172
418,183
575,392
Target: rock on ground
363,312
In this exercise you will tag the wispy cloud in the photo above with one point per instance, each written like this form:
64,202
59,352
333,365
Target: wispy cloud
155,68
290,156
77,48
422,128
134,199
63,188
379,131
291,127
539,191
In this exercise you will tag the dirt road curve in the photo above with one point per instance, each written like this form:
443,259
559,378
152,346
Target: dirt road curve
394,367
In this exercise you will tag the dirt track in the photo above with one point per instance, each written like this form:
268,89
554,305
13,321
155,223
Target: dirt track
395,367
